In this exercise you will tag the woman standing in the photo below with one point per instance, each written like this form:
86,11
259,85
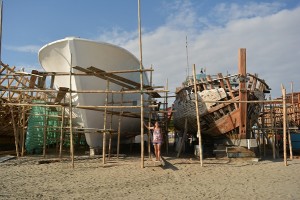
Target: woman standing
157,139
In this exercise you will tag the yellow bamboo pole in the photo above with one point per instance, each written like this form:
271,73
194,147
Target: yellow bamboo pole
15,131
198,116
104,126
119,128
71,121
23,130
284,124
62,131
141,87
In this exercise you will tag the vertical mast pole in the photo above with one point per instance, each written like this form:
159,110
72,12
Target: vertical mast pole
243,94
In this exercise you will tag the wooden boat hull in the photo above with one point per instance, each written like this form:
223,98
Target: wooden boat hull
62,55
217,119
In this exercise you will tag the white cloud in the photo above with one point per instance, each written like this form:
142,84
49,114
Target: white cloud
225,12
25,49
269,33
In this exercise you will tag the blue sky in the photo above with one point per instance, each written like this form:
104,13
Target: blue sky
216,29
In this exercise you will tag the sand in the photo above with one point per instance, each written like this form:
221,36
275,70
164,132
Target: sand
180,178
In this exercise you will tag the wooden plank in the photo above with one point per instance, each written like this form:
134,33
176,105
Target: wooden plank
225,124
127,83
119,78
61,94
32,79
104,77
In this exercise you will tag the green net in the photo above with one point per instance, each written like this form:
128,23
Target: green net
46,117
39,119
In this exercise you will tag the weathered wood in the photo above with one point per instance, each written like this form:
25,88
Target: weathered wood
243,94
183,137
62,91
198,117
284,124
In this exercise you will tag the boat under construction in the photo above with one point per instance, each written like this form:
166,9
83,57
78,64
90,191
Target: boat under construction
222,113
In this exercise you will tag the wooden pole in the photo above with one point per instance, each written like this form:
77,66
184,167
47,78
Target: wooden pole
141,81
23,130
62,130
104,125
110,127
119,128
15,131
45,131
290,142
272,129
71,121
294,120
149,117
262,138
243,94
183,137
166,117
284,124
198,116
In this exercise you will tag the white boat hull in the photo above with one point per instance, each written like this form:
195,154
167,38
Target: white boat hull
61,55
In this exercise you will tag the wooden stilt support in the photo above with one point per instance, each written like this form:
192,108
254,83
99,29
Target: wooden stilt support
183,137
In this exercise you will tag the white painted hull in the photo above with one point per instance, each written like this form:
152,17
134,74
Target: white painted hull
61,55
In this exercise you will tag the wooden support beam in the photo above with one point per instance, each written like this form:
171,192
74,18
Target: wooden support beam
61,94
243,94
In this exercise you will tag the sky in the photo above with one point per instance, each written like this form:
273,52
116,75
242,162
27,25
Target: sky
176,34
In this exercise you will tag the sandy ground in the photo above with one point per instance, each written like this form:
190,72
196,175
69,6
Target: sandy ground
181,178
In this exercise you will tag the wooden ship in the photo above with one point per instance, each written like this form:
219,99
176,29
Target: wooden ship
222,102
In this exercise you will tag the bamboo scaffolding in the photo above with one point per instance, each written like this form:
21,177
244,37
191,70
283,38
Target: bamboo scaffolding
198,117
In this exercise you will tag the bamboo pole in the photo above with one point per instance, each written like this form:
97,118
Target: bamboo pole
62,131
166,118
41,74
290,142
263,132
198,116
141,82
23,130
15,132
71,121
293,119
272,129
110,125
119,129
45,132
284,124
149,117
104,126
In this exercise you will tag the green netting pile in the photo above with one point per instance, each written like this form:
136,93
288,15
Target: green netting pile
35,131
